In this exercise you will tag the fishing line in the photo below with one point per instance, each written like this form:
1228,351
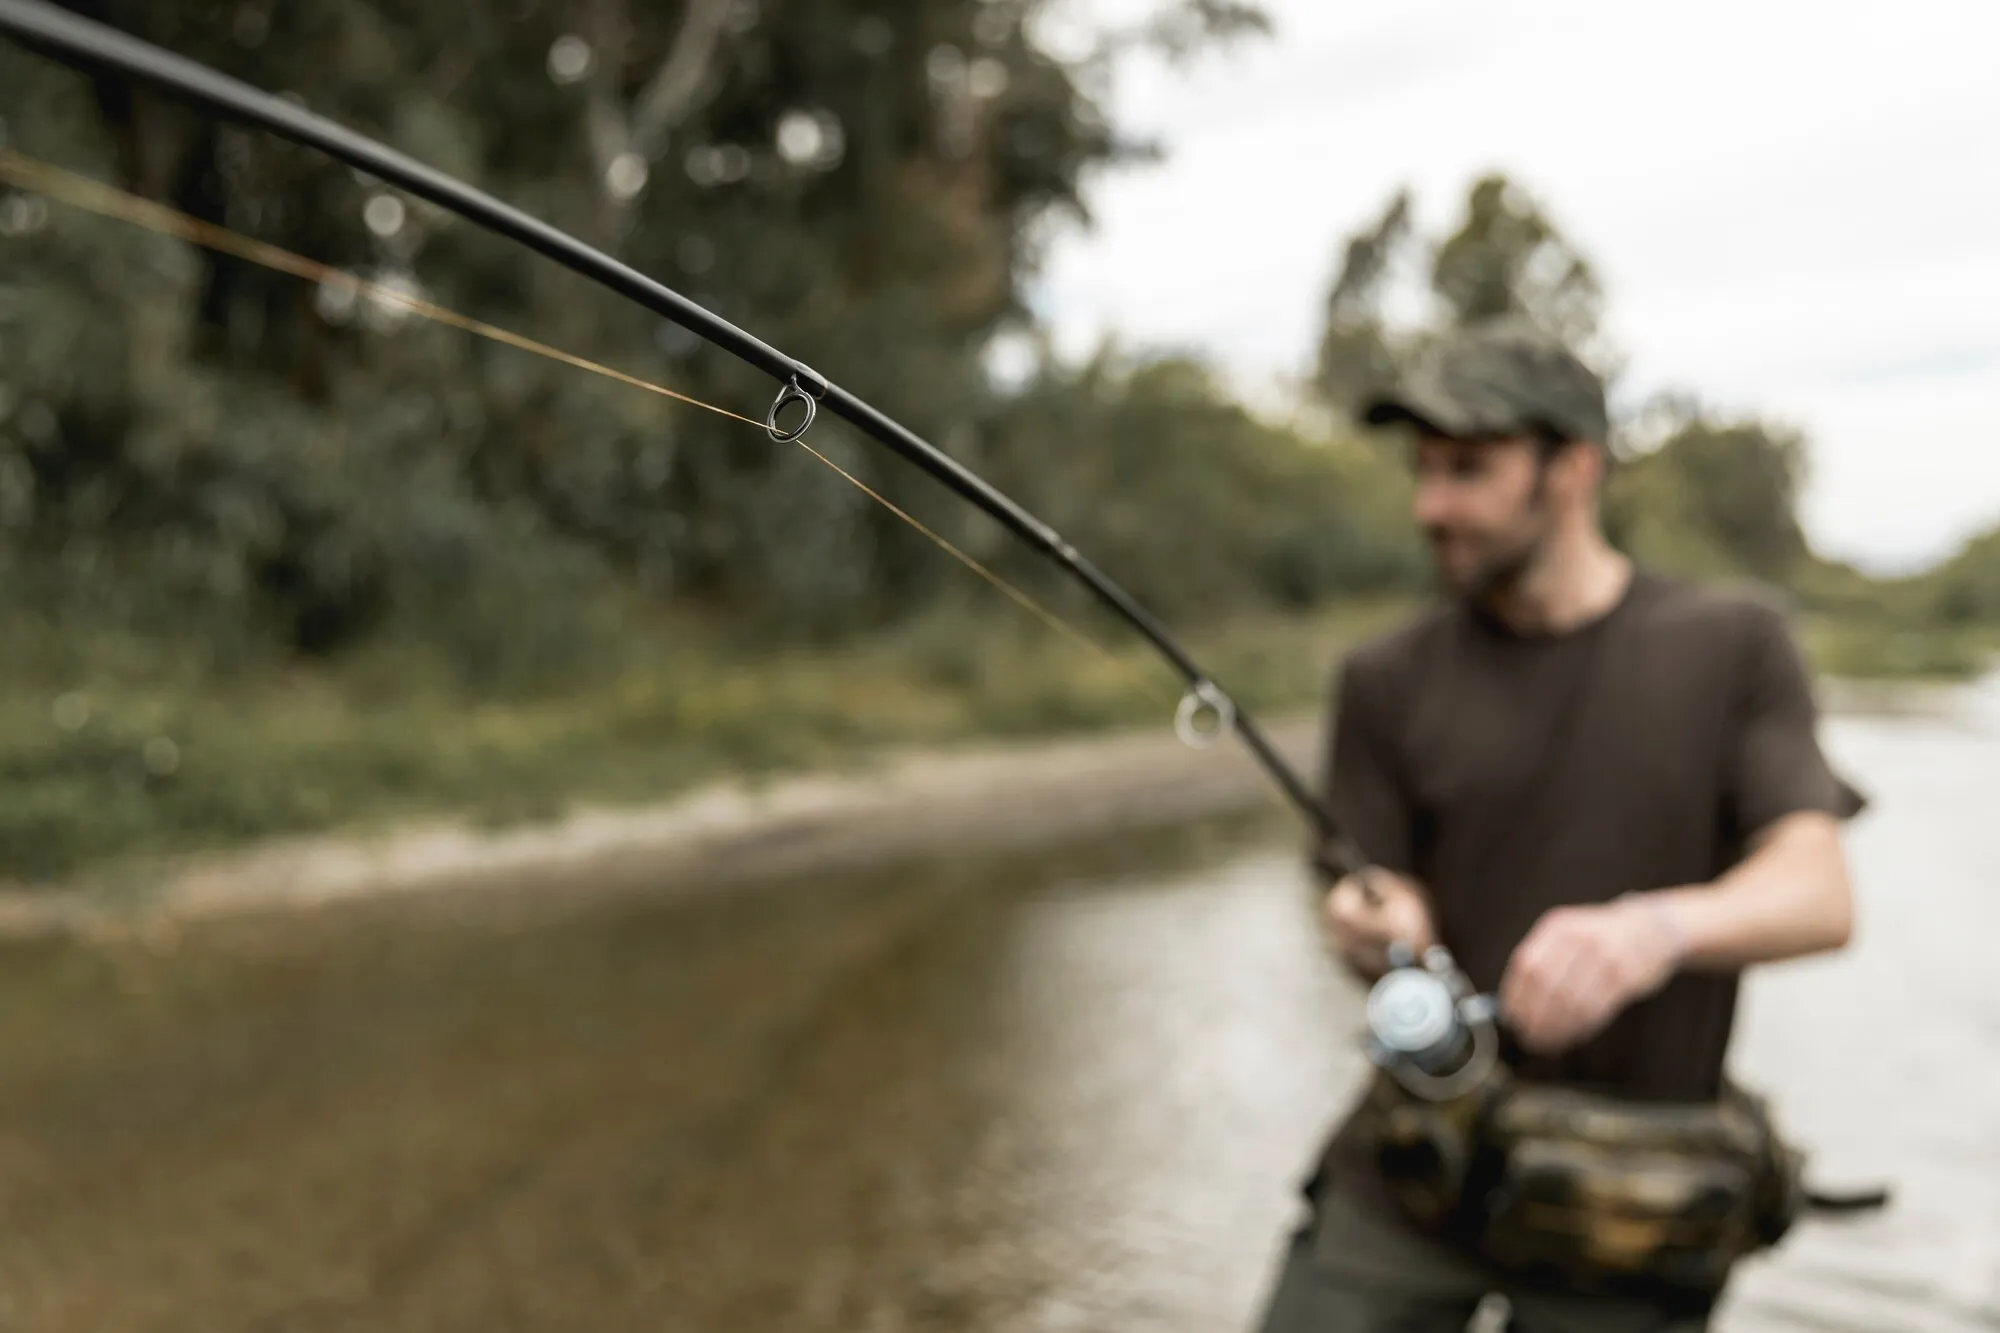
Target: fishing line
95,196
53,182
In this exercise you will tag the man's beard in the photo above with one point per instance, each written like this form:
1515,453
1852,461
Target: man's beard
1500,574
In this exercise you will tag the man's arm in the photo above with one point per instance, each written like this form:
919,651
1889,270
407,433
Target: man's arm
1791,895
1790,898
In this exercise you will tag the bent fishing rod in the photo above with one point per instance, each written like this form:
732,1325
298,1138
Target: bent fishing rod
77,41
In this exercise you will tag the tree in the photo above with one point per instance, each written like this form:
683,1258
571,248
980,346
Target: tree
1188,500
1508,258
863,182
1715,495
1505,258
1965,590
628,136
1357,353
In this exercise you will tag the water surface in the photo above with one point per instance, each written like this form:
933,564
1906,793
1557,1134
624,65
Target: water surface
1068,1093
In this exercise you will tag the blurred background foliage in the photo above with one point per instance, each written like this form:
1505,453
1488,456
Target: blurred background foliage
274,558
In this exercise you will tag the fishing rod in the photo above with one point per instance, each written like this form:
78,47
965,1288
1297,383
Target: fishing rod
803,391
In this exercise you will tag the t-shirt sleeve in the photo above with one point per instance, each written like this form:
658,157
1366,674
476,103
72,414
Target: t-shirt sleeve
1779,767
1362,781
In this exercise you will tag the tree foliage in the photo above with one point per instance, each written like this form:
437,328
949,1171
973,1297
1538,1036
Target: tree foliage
1157,472
1357,351
1508,259
193,445
1965,590
1715,495
1504,258
193,441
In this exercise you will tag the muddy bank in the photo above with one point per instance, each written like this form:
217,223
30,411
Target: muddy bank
975,801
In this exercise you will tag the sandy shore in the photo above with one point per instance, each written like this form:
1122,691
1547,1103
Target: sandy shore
974,800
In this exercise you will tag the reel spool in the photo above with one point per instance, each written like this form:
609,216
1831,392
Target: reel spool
1428,1029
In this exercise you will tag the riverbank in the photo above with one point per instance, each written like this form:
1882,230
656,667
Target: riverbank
115,765
117,755
971,800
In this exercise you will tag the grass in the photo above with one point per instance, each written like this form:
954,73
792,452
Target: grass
136,761
1870,650
138,758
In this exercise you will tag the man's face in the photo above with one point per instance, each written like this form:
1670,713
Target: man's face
1483,507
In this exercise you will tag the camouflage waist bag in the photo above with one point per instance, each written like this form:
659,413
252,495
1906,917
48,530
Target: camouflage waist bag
1596,1193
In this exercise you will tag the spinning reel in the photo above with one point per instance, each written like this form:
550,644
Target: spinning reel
1428,1029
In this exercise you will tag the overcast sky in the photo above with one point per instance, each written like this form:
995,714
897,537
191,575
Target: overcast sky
1795,209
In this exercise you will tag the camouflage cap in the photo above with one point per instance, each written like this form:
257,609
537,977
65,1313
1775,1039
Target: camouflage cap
1494,380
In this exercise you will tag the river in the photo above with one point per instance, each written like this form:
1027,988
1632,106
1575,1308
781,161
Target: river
1058,1093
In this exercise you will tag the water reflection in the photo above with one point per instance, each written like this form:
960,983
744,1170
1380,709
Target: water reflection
1062,1094
1181,1043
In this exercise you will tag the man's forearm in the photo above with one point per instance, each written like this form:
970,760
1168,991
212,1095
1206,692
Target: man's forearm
1788,899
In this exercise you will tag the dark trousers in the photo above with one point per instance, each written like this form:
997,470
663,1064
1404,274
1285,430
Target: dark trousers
1352,1270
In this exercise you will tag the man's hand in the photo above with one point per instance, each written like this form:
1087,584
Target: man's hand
1361,925
1581,966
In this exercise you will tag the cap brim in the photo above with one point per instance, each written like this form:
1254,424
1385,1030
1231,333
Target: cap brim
1408,409
1392,412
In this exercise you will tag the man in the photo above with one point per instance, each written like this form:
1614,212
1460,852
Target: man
1598,787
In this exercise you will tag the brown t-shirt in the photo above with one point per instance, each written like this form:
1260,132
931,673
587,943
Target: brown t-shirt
1514,773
